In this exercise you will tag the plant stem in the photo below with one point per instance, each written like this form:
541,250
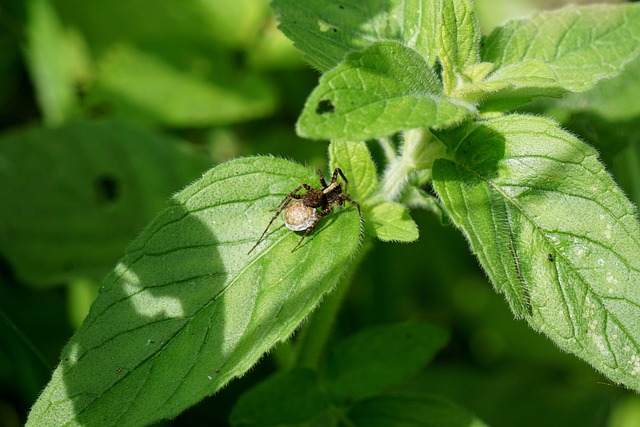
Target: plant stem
315,333
388,148
420,148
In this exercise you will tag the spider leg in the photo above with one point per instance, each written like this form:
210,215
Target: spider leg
337,171
312,226
282,206
346,198
321,176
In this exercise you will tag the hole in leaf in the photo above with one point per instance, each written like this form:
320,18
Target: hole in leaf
325,106
107,188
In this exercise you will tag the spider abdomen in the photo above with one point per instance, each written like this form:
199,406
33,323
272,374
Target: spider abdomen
299,217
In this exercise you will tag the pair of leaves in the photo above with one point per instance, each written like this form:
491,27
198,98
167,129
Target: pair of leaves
552,229
357,372
187,309
390,85
387,221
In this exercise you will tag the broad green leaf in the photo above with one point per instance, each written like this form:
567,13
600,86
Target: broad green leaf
391,222
188,309
458,41
410,411
285,398
75,196
563,50
140,85
377,92
379,357
327,30
48,54
554,233
355,161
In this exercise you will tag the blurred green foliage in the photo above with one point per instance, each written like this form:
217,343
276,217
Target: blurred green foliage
107,108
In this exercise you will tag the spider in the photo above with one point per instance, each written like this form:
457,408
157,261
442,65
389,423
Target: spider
302,213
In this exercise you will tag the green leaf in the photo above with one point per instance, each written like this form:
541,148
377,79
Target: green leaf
355,161
554,233
75,196
149,88
327,30
458,41
187,309
379,357
285,398
377,92
391,222
410,411
48,54
564,50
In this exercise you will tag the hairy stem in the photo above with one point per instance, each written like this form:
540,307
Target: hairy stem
420,148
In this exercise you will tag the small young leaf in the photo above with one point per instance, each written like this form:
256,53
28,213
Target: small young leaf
381,356
377,92
188,309
326,30
564,50
285,398
554,232
74,197
407,411
458,41
391,222
355,161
